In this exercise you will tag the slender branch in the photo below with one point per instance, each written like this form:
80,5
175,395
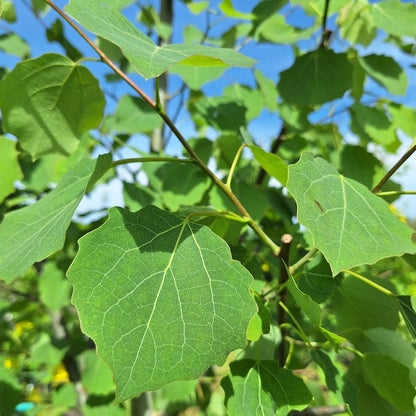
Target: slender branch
390,173
228,214
371,283
234,164
284,255
293,269
324,20
297,325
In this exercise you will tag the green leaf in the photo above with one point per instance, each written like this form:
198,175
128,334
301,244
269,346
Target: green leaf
48,102
168,299
316,280
96,376
390,379
271,163
386,71
349,224
65,396
304,301
268,89
228,9
8,12
137,196
356,22
148,59
404,118
332,376
274,29
395,17
175,397
9,167
316,77
10,391
250,98
375,123
32,233
261,387
44,352
196,76
14,45
198,7
357,305
260,323
53,277
408,312
132,116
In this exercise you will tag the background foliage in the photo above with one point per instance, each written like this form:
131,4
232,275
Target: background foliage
246,273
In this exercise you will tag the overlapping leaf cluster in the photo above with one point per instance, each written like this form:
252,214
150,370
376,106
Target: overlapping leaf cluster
184,291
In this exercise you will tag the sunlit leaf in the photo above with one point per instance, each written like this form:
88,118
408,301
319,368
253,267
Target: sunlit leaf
9,167
34,232
271,163
349,224
148,59
48,102
168,299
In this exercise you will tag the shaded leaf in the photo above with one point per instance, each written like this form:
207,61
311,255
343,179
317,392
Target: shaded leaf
34,232
14,45
357,305
96,376
316,77
168,299
404,118
261,387
408,312
390,379
196,76
148,59
260,323
137,196
349,224
48,102
268,89
386,71
11,389
9,167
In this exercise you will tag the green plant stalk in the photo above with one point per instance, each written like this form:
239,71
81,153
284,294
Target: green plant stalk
370,283
298,327
234,164
228,215
324,20
391,193
227,191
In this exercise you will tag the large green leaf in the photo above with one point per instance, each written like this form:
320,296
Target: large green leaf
148,59
271,163
408,312
160,296
386,71
48,102
390,379
349,224
34,232
9,167
261,387
316,77
395,17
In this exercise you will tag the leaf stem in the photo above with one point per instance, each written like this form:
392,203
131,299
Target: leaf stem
234,164
371,283
391,193
324,20
293,269
228,214
397,165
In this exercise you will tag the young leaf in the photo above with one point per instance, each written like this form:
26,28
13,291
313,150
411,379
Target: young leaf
148,59
349,224
48,102
34,232
316,77
271,163
261,387
168,299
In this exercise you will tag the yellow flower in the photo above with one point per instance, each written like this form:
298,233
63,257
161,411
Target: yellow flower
265,267
60,375
22,326
10,363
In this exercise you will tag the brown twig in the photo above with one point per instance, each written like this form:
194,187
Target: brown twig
397,165
320,411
